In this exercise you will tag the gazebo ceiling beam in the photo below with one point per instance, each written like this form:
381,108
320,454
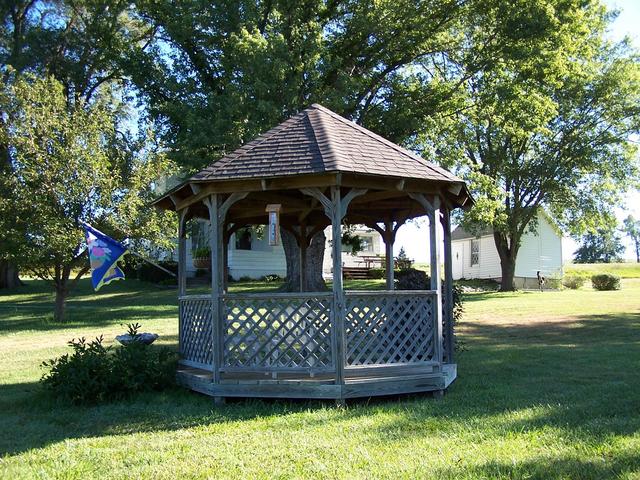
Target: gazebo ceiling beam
378,196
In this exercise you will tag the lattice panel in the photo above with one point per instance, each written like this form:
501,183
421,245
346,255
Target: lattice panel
387,329
278,333
196,334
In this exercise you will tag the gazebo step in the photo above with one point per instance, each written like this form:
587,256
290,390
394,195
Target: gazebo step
356,273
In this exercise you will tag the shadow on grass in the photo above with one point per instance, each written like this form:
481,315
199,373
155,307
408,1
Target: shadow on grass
579,382
30,307
551,467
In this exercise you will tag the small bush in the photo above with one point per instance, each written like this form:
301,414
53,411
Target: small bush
605,281
202,252
376,272
413,279
573,281
93,373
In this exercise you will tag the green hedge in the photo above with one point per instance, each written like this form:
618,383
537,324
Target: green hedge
573,281
605,281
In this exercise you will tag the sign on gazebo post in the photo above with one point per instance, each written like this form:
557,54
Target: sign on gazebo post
273,209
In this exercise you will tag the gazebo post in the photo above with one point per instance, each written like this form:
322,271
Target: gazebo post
448,287
182,252
434,246
215,244
338,289
182,269
389,238
217,214
302,243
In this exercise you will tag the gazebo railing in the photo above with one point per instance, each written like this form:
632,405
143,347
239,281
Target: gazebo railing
390,328
196,331
294,332
278,332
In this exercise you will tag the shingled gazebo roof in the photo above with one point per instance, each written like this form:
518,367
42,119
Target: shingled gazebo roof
317,148
318,140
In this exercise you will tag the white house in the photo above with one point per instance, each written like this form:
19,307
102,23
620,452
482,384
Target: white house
250,255
477,256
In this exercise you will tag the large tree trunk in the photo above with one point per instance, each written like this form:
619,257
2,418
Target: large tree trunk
508,251
313,281
9,275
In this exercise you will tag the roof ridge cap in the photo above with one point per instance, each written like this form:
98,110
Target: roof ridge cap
327,150
386,142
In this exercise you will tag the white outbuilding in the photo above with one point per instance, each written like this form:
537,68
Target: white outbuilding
475,255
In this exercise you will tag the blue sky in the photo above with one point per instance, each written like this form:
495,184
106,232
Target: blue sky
414,236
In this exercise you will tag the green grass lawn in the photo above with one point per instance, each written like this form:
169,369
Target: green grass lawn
624,270
548,387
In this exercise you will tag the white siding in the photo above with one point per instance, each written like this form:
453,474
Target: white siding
489,262
542,251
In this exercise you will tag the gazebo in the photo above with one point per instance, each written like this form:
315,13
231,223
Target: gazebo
314,170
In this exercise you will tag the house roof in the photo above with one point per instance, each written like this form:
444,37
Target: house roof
318,140
459,233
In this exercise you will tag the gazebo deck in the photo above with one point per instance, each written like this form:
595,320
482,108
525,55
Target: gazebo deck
391,380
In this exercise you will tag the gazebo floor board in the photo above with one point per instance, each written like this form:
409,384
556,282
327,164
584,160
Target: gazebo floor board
320,386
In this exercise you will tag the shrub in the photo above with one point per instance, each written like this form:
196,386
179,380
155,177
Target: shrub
150,273
573,281
93,373
202,252
605,281
412,279
376,272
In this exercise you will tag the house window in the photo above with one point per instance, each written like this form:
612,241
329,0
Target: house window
243,239
475,252
367,244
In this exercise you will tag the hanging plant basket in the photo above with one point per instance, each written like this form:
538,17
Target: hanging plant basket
202,262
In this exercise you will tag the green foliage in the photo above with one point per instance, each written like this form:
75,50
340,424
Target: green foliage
202,252
94,373
549,124
376,273
604,246
68,164
412,279
605,281
150,273
573,281
402,262
631,227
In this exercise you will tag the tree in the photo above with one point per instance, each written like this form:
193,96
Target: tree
632,229
85,44
548,127
605,246
216,77
70,164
